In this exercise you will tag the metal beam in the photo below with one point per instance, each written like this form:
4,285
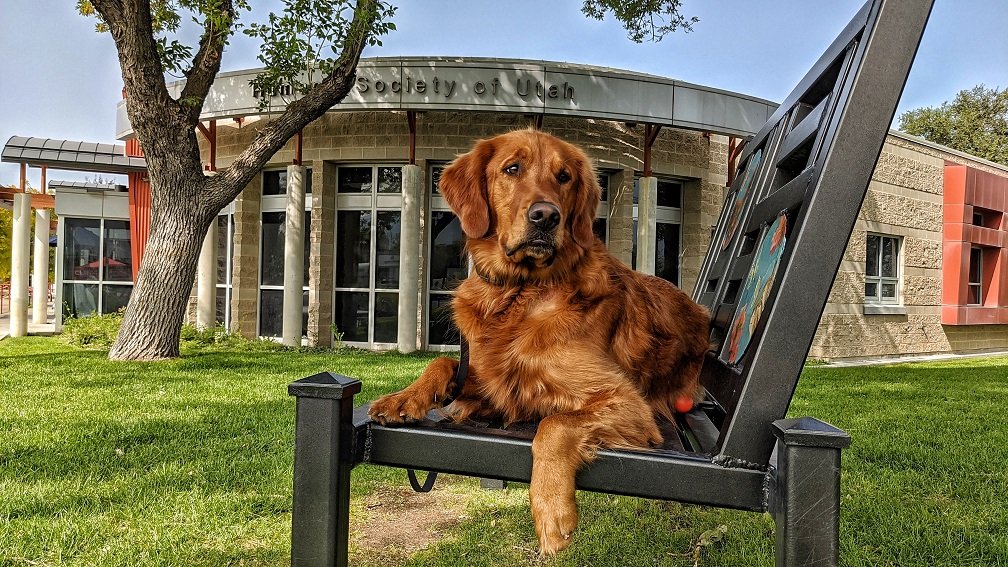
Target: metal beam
650,135
411,121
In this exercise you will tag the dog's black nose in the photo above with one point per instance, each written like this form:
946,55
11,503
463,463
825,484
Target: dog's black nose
543,215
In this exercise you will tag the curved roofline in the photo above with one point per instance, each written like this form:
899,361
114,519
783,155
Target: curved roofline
526,86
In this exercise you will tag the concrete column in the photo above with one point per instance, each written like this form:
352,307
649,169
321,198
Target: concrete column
20,253
647,203
409,256
621,215
40,277
206,280
293,296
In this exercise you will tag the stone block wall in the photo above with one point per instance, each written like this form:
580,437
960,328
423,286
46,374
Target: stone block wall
904,199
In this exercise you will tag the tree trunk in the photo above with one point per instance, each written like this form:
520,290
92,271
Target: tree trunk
154,316
183,201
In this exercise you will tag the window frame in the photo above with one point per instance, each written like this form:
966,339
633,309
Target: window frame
373,202
101,281
978,253
277,203
879,280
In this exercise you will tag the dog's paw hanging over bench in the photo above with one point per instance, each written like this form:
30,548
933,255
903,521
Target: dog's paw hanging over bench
678,422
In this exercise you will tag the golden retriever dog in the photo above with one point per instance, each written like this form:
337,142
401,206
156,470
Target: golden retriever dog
559,331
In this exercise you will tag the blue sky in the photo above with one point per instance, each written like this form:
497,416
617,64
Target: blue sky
59,79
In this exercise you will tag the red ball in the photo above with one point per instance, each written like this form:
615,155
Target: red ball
683,405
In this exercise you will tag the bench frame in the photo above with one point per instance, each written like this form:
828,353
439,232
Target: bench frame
735,451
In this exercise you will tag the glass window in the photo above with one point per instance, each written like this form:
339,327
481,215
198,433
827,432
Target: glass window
603,181
225,249
386,318
667,252
275,182
436,178
633,246
882,261
447,259
354,179
441,328
368,239
80,299
221,306
116,254
81,249
224,236
669,193
448,267
390,180
351,315
271,312
115,297
387,238
353,249
96,250
273,230
974,295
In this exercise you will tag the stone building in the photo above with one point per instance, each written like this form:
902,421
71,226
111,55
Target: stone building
924,271
373,259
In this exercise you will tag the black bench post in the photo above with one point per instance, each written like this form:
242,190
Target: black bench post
805,491
322,463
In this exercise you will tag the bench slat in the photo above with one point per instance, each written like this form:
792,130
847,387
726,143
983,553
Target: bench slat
494,453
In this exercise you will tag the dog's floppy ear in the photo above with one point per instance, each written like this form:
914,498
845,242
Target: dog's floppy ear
464,186
584,211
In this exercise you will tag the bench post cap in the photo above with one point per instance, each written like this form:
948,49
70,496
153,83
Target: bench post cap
325,385
810,432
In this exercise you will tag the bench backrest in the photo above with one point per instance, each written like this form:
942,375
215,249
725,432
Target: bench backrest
788,218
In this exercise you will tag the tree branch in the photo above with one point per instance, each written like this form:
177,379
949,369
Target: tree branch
129,23
206,64
299,113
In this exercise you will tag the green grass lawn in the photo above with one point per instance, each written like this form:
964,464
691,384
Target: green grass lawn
188,462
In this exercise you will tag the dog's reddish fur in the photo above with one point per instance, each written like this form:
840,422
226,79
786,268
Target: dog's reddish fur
558,330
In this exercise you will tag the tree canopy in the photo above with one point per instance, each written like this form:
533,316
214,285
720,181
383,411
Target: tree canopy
976,122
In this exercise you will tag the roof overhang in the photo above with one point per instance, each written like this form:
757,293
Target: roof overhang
71,155
38,200
502,85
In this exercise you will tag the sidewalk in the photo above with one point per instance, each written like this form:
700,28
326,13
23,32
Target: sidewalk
47,328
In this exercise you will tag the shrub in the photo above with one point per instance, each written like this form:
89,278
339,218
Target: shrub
220,337
92,331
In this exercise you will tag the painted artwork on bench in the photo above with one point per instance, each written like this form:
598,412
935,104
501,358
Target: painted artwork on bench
757,288
738,200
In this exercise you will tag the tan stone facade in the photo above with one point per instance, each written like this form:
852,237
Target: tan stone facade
697,160
904,200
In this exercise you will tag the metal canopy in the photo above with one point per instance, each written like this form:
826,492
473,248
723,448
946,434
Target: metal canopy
71,155
86,186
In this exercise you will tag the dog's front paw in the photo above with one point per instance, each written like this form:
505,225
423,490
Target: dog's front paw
400,407
555,520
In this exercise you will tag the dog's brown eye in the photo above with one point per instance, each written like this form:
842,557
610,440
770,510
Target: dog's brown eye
563,177
512,169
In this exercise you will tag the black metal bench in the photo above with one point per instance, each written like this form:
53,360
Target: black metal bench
802,177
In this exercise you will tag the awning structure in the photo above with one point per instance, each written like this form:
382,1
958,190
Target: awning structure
71,155
86,186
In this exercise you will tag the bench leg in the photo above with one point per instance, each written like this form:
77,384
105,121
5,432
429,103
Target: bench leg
322,463
805,492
